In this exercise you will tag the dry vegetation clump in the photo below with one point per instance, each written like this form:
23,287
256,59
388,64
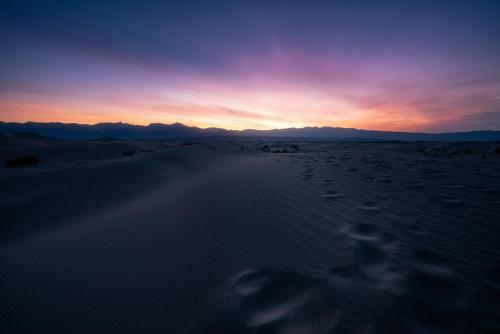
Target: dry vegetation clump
27,160
292,148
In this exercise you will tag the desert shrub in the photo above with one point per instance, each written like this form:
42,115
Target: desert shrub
265,148
497,151
27,160
294,147
128,153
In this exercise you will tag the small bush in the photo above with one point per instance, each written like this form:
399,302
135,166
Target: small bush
265,148
27,160
497,151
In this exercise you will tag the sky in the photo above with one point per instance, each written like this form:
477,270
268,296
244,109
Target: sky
429,66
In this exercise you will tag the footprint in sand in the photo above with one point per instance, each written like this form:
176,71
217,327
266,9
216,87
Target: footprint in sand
430,282
371,233
451,202
369,207
362,231
370,254
452,185
332,195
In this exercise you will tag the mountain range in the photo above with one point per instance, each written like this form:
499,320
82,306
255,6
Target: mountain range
181,131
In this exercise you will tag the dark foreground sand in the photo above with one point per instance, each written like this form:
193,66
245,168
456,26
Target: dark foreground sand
225,238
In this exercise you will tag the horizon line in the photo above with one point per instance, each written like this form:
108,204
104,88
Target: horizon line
242,130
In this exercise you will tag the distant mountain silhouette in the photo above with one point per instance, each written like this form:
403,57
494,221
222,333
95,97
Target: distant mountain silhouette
180,131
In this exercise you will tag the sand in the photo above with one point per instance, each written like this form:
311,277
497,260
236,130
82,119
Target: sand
226,238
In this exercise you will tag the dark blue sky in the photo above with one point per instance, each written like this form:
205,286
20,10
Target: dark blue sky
409,65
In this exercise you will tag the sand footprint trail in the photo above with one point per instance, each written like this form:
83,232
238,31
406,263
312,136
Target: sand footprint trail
397,267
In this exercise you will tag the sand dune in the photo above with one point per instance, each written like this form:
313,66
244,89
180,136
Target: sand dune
226,238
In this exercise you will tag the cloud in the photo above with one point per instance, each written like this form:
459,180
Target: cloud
468,122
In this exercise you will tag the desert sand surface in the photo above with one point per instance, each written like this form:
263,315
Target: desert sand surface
239,237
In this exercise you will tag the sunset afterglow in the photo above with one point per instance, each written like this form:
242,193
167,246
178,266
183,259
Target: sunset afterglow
252,66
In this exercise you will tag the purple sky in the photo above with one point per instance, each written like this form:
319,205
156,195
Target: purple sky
388,65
